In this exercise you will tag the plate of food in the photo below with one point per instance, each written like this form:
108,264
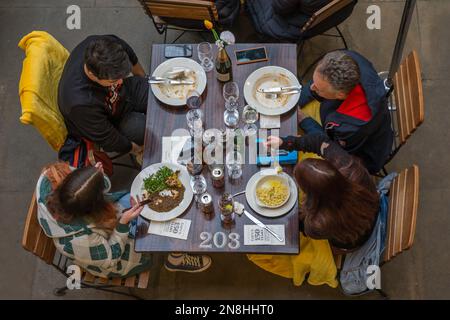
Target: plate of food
272,191
165,189
267,78
176,94
271,195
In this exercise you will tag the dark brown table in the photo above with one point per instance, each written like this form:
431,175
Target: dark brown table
162,120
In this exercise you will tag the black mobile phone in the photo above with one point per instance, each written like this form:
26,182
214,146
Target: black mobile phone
178,50
251,55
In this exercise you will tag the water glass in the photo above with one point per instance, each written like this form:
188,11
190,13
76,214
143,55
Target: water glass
194,99
194,119
231,95
234,164
231,118
204,51
198,185
250,116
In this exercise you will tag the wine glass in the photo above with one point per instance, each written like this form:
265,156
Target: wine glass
198,185
204,51
194,118
234,164
194,99
250,116
231,95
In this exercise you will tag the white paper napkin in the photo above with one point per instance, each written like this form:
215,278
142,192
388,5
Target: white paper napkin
171,148
176,228
257,236
269,122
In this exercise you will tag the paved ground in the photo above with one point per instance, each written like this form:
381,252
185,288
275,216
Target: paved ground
421,273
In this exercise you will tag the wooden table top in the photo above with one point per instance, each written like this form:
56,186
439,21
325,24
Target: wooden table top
162,120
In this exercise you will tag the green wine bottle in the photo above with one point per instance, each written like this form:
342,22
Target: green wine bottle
224,69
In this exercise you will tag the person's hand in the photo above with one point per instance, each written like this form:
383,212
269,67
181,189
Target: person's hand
136,149
273,142
301,116
131,213
99,166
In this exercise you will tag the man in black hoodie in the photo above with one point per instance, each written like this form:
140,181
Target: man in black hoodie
353,107
98,98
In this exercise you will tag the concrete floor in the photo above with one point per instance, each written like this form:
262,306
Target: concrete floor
421,273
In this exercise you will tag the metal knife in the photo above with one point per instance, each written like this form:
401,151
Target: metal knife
280,89
260,224
169,81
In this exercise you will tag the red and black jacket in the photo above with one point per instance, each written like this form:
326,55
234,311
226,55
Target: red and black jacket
364,133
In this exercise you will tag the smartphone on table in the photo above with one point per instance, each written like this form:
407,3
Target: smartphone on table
178,50
251,55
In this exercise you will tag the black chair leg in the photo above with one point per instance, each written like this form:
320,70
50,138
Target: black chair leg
59,292
342,37
311,65
383,294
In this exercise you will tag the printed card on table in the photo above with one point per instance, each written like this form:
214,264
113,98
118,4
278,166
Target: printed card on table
176,228
269,122
171,148
257,236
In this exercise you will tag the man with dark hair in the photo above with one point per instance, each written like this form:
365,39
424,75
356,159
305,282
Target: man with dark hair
102,94
353,107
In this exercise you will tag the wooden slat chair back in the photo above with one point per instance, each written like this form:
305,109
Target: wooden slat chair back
181,9
408,98
324,13
403,206
36,241
402,215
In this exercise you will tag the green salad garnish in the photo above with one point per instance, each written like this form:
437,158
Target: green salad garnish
157,181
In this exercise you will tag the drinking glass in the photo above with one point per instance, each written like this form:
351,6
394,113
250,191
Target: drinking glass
234,164
231,95
194,119
198,185
204,51
194,99
231,118
250,116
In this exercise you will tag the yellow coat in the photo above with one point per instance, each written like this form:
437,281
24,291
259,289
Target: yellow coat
38,87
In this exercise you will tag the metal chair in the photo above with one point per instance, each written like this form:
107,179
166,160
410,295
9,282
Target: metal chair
36,241
313,26
194,11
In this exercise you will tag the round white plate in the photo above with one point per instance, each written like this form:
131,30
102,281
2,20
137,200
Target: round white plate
269,77
250,194
137,188
160,91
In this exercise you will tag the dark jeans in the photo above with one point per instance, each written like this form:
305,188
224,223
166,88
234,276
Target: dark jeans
132,124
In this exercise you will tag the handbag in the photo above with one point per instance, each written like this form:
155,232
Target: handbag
80,152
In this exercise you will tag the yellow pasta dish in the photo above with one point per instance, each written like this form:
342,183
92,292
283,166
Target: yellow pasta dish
272,192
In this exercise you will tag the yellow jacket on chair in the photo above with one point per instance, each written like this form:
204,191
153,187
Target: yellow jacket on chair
38,87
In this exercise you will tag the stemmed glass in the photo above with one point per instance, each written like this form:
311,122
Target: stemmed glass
198,185
194,119
250,116
234,164
231,96
204,51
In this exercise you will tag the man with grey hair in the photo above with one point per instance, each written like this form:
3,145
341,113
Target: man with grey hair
353,107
